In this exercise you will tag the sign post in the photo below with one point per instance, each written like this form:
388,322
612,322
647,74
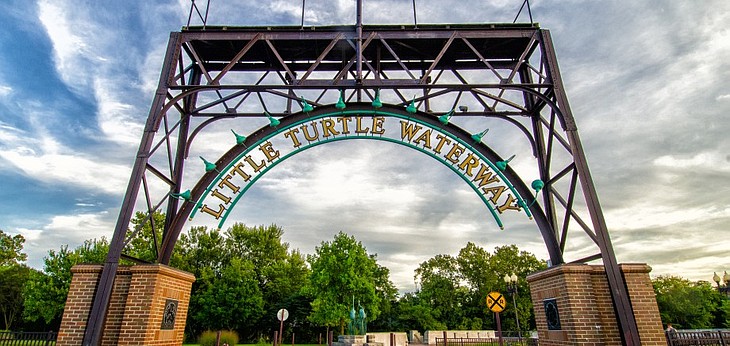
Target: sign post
282,315
497,303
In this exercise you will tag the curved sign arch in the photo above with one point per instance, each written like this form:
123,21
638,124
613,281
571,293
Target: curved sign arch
229,178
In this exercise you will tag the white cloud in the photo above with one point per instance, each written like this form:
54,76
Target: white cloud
5,90
700,160
47,161
119,121
70,34
648,216
70,230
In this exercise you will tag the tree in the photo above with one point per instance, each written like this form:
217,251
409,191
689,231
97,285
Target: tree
12,280
199,249
453,289
231,300
690,305
13,275
45,292
441,290
508,260
257,253
342,273
10,249
145,244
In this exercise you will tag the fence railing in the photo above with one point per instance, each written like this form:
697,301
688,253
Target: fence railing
509,340
28,338
698,337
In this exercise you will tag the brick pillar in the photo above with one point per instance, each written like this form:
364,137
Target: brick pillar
152,286
643,302
585,308
135,315
117,304
78,304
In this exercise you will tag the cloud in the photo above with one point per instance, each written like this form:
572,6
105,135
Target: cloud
48,161
71,36
118,120
5,90
71,230
90,61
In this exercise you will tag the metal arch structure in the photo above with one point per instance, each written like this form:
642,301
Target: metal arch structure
507,72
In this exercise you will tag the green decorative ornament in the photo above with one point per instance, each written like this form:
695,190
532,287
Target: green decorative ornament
538,185
444,119
209,166
273,122
306,107
239,138
411,109
340,102
477,137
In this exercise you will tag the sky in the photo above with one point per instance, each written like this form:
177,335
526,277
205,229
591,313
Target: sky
648,84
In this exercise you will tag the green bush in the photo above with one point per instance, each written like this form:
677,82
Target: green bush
227,336
263,341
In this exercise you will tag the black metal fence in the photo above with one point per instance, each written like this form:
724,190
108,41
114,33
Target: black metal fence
698,337
506,341
28,338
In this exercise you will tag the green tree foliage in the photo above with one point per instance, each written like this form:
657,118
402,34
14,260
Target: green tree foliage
342,271
146,242
13,276
441,289
12,279
45,292
453,289
11,248
243,277
231,300
690,305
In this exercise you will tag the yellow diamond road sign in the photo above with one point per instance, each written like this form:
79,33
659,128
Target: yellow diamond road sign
496,301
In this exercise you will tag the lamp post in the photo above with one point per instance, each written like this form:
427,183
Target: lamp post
725,287
511,282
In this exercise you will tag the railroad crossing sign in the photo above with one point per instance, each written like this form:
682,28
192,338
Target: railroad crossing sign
496,301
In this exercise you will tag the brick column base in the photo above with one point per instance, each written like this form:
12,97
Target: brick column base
142,296
578,295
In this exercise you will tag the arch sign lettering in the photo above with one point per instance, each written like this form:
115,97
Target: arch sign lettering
228,179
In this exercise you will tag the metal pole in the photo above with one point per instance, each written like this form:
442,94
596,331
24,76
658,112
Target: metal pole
415,21
517,318
499,330
359,41
303,1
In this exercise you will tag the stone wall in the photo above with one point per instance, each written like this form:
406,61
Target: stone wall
431,335
136,307
401,339
585,308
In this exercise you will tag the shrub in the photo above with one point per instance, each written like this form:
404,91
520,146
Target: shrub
227,336
263,341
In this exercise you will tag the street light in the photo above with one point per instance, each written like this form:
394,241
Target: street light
725,288
511,282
